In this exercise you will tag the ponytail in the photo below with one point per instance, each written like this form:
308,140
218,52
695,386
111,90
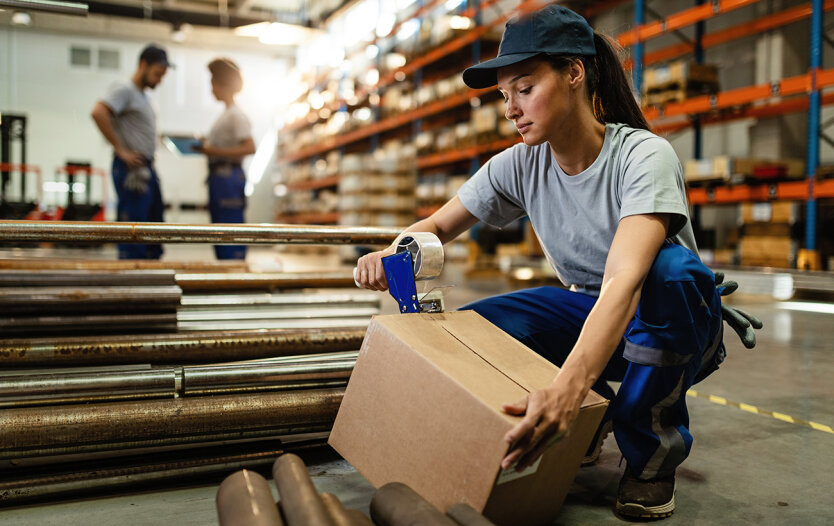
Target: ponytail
608,87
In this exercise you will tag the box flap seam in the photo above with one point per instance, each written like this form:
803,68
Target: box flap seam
505,375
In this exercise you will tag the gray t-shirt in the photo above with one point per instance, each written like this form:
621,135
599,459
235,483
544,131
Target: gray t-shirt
576,216
133,118
230,129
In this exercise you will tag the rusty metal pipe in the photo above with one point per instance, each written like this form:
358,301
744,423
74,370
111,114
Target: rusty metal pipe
465,515
73,429
112,265
300,501
87,278
26,483
395,504
218,234
263,281
47,300
27,326
216,346
245,499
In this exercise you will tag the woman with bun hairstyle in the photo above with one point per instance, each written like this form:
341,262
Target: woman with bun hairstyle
228,142
606,198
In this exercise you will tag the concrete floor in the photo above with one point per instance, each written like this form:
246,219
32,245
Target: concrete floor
744,468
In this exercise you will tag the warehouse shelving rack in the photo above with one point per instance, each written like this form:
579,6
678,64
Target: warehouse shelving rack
413,69
697,109
789,95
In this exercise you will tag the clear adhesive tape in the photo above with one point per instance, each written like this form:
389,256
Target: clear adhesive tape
426,253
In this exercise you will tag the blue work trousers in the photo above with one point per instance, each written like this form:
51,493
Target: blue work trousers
674,340
137,207
227,202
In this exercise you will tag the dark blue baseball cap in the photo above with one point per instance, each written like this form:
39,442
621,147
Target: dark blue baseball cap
153,54
553,29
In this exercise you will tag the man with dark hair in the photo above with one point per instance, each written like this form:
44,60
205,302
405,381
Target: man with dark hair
126,119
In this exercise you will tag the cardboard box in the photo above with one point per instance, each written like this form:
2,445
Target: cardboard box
767,251
772,212
423,407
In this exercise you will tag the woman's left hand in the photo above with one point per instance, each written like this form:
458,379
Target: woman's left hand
548,414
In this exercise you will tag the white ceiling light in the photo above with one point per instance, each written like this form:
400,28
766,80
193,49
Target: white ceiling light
21,18
452,4
278,34
460,22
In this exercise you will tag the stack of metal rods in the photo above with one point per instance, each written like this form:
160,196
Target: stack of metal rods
70,405
37,302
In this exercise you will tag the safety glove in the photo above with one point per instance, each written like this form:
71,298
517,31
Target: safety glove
137,179
741,322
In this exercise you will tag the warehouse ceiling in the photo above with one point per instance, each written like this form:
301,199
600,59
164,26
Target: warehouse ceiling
221,13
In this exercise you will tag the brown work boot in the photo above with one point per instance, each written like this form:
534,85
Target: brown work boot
646,499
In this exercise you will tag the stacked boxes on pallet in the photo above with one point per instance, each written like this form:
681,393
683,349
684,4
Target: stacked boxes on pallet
678,81
730,169
767,241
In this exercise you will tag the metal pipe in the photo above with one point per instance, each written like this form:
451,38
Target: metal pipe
218,234
110,323
74,429
57,480
47,6
311,322
87,278
217,346
359,518
286,300
395,504
31,263
51,389
197,380
76,387
338,513
263,281
47,300
465,515
300,501
245,499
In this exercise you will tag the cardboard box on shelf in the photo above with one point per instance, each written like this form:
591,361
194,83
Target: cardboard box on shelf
423,407
767,251
771,212
680,73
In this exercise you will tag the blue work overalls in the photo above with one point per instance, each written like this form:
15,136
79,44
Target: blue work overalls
227,201
137,207
674,340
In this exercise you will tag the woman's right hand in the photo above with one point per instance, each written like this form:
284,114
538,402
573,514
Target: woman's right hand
369,271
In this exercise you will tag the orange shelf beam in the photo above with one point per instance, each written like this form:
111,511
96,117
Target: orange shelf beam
727,99
313,184
680,20
785,191
753,27
793,105
439,159
385,125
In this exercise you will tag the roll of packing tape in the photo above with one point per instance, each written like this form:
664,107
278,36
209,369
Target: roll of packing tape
426,253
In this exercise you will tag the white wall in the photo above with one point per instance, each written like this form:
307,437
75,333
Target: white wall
36,79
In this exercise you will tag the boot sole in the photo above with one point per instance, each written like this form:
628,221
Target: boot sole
634,510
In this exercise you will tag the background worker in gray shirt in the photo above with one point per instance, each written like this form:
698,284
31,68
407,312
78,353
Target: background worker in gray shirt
126,119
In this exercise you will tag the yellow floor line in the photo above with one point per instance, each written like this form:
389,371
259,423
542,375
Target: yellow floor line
751,409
